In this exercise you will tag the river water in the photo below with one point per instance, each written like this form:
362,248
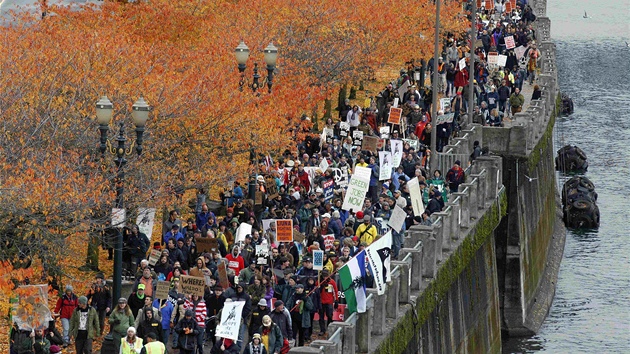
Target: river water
591,309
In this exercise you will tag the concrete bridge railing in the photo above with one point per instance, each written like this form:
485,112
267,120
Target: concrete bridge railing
425,251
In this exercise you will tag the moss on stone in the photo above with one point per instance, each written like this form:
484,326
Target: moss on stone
448,273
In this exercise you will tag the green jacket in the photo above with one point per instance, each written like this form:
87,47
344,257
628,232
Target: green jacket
93,327
124,322
517,100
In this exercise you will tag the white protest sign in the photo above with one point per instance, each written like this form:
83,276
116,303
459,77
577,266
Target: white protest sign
318,259
118,217
401,90
397,219
329,240
262,252
385,159
324,164
416,196
357,188
502,60
357,138
146,217
493,58
341,176
381,226
396,147
243,230
445,103
520,51
384,132
445,118
462,63
266,224
509,42
379,257
344,128
312,173
395,105
230,320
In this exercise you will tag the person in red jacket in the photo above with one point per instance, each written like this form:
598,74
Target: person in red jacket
64,308
235,261
328,289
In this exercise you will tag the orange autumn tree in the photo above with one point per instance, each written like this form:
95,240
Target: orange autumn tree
179,57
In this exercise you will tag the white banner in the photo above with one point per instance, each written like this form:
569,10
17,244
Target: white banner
397,219
243,230
146,217
385,159
324,164
318,259
502,60
444,103
384,132
119,217
462,64
357,188
396,146
416,196
230,320
402,89
379,256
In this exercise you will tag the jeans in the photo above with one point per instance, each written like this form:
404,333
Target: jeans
397,242
326,309
450,88
165,333
502,105
241,336
201,339
65,324
101,319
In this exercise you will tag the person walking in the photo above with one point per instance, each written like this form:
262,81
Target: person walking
131,344
64,308
120,320
84,326
153,346
516,101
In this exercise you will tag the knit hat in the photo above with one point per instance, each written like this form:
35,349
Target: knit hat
131,329
189,313
69,288
278,303
83,300
360,215
256,336
54,349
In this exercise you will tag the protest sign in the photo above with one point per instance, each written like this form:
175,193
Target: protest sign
357,187
462,63
223,278
397,219
396,147
370,143
379,257
502,60
192,285
520,51
272,187
119,216
230,323
340,175
243,230
328,135
328,241
146,217
266,223
381,226
489,4
416,196
493,58
284,230
385,160
412,143
509,42
445,103
403,88
262,254
445,118
329,189
207,244
357,138
394,115
395,104
324,164
154,257
31,310
344,128
318,259
384,132
161,290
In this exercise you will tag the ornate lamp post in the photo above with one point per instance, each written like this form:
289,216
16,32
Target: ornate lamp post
140,115
271,57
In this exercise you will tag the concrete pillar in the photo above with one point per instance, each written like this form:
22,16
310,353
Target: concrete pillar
392,293
348,338
379,312
492,164
473,209
464,202
309,350
415,234
404,293
429,256
416,266
443,232
363,333
476,203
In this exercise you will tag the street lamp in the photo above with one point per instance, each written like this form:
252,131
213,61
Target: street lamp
104,114
270,56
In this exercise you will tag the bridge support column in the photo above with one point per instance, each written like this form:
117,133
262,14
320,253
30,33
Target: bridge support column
348,334
379,312
416,266
393,294
429,257
363,334
443,233
405,281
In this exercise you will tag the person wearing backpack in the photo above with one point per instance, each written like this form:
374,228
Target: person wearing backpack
455,177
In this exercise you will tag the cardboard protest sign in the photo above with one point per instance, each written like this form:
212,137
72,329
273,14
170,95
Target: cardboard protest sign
145,220
299,238
357,138
416,196
370,143
192,285
357,188
396,147
223,278
243,230
271,186
394,115
344,128
509,42
161,290
493,58
230,323
284,230
258,198
386,165
329,189
328,241
502,60
397,220
207,244
318,259
154,257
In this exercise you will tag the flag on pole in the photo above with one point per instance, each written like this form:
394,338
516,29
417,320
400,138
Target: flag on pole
352,276
379,256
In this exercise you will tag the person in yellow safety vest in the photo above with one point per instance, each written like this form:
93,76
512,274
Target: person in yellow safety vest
366,232
131,344
153,346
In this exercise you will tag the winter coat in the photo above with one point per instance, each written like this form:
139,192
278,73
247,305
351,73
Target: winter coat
135,304
93,326
256,320
283,321
124,322
306,306
275,337
187,341
66,304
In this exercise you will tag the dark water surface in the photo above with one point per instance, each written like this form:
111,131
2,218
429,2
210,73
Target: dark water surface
591,309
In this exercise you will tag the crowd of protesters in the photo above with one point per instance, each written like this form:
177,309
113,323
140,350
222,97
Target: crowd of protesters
283,294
